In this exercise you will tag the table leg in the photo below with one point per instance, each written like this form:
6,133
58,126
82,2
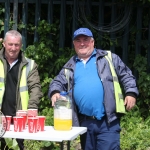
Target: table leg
68,145
62,145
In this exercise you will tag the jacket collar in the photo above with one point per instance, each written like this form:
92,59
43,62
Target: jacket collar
100,53
71,63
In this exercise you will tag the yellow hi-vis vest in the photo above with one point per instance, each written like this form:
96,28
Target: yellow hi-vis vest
23,83
2,87
120,108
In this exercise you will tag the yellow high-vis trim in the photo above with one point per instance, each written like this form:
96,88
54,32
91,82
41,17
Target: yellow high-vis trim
24,91
120,108
23,84
2,87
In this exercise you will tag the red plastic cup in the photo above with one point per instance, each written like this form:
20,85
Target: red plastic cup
3,122
8,122
32,112
22,110
41,123
24,121
24,115
18,124
32,124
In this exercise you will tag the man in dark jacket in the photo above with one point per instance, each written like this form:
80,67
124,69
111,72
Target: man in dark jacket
19,88
93,98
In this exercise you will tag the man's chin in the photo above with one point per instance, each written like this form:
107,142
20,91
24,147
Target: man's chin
13,57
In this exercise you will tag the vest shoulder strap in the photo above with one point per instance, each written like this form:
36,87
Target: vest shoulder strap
109,55
67,74
29,65
109,58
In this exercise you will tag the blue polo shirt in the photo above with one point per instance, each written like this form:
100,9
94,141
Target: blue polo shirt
88,89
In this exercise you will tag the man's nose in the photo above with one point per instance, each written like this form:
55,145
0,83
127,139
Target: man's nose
13,47
82,42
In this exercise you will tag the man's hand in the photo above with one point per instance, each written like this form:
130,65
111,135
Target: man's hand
54,98
129,102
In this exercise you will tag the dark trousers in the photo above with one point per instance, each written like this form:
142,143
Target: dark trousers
100,135
5,147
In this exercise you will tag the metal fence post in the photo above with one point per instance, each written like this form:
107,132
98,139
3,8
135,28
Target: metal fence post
7,14
15,14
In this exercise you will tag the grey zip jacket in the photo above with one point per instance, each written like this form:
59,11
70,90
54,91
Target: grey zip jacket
126,79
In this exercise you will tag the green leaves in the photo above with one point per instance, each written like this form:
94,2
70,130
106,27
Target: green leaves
48,56
135,132
143,82
12,143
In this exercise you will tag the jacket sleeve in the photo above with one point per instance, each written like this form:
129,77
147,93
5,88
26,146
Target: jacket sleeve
58,84
125,76
34,88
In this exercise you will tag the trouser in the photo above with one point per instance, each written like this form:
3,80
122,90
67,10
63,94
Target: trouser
5,147
100,135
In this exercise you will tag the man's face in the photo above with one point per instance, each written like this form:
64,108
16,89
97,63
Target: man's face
84,46
12,46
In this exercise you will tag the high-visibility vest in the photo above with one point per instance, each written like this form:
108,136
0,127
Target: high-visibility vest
2,87
23,87
120,108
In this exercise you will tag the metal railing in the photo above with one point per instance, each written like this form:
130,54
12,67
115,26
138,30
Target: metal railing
83,12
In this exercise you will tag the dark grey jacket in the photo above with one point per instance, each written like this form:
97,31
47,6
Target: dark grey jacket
124,74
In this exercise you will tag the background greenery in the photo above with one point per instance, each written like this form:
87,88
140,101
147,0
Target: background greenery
135,134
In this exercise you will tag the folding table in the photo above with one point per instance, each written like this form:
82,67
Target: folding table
49,134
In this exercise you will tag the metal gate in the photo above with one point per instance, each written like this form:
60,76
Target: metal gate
90,12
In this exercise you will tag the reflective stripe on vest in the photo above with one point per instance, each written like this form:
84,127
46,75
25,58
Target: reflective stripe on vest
23,84
120,108
2,87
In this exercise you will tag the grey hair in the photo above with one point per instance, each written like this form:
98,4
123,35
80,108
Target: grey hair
14,33
92,38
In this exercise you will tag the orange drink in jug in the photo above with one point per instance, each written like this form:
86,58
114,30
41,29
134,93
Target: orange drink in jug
63,113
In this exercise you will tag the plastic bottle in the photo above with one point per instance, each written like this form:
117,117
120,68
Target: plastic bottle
63,112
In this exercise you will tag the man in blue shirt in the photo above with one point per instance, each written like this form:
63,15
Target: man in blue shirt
92,91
